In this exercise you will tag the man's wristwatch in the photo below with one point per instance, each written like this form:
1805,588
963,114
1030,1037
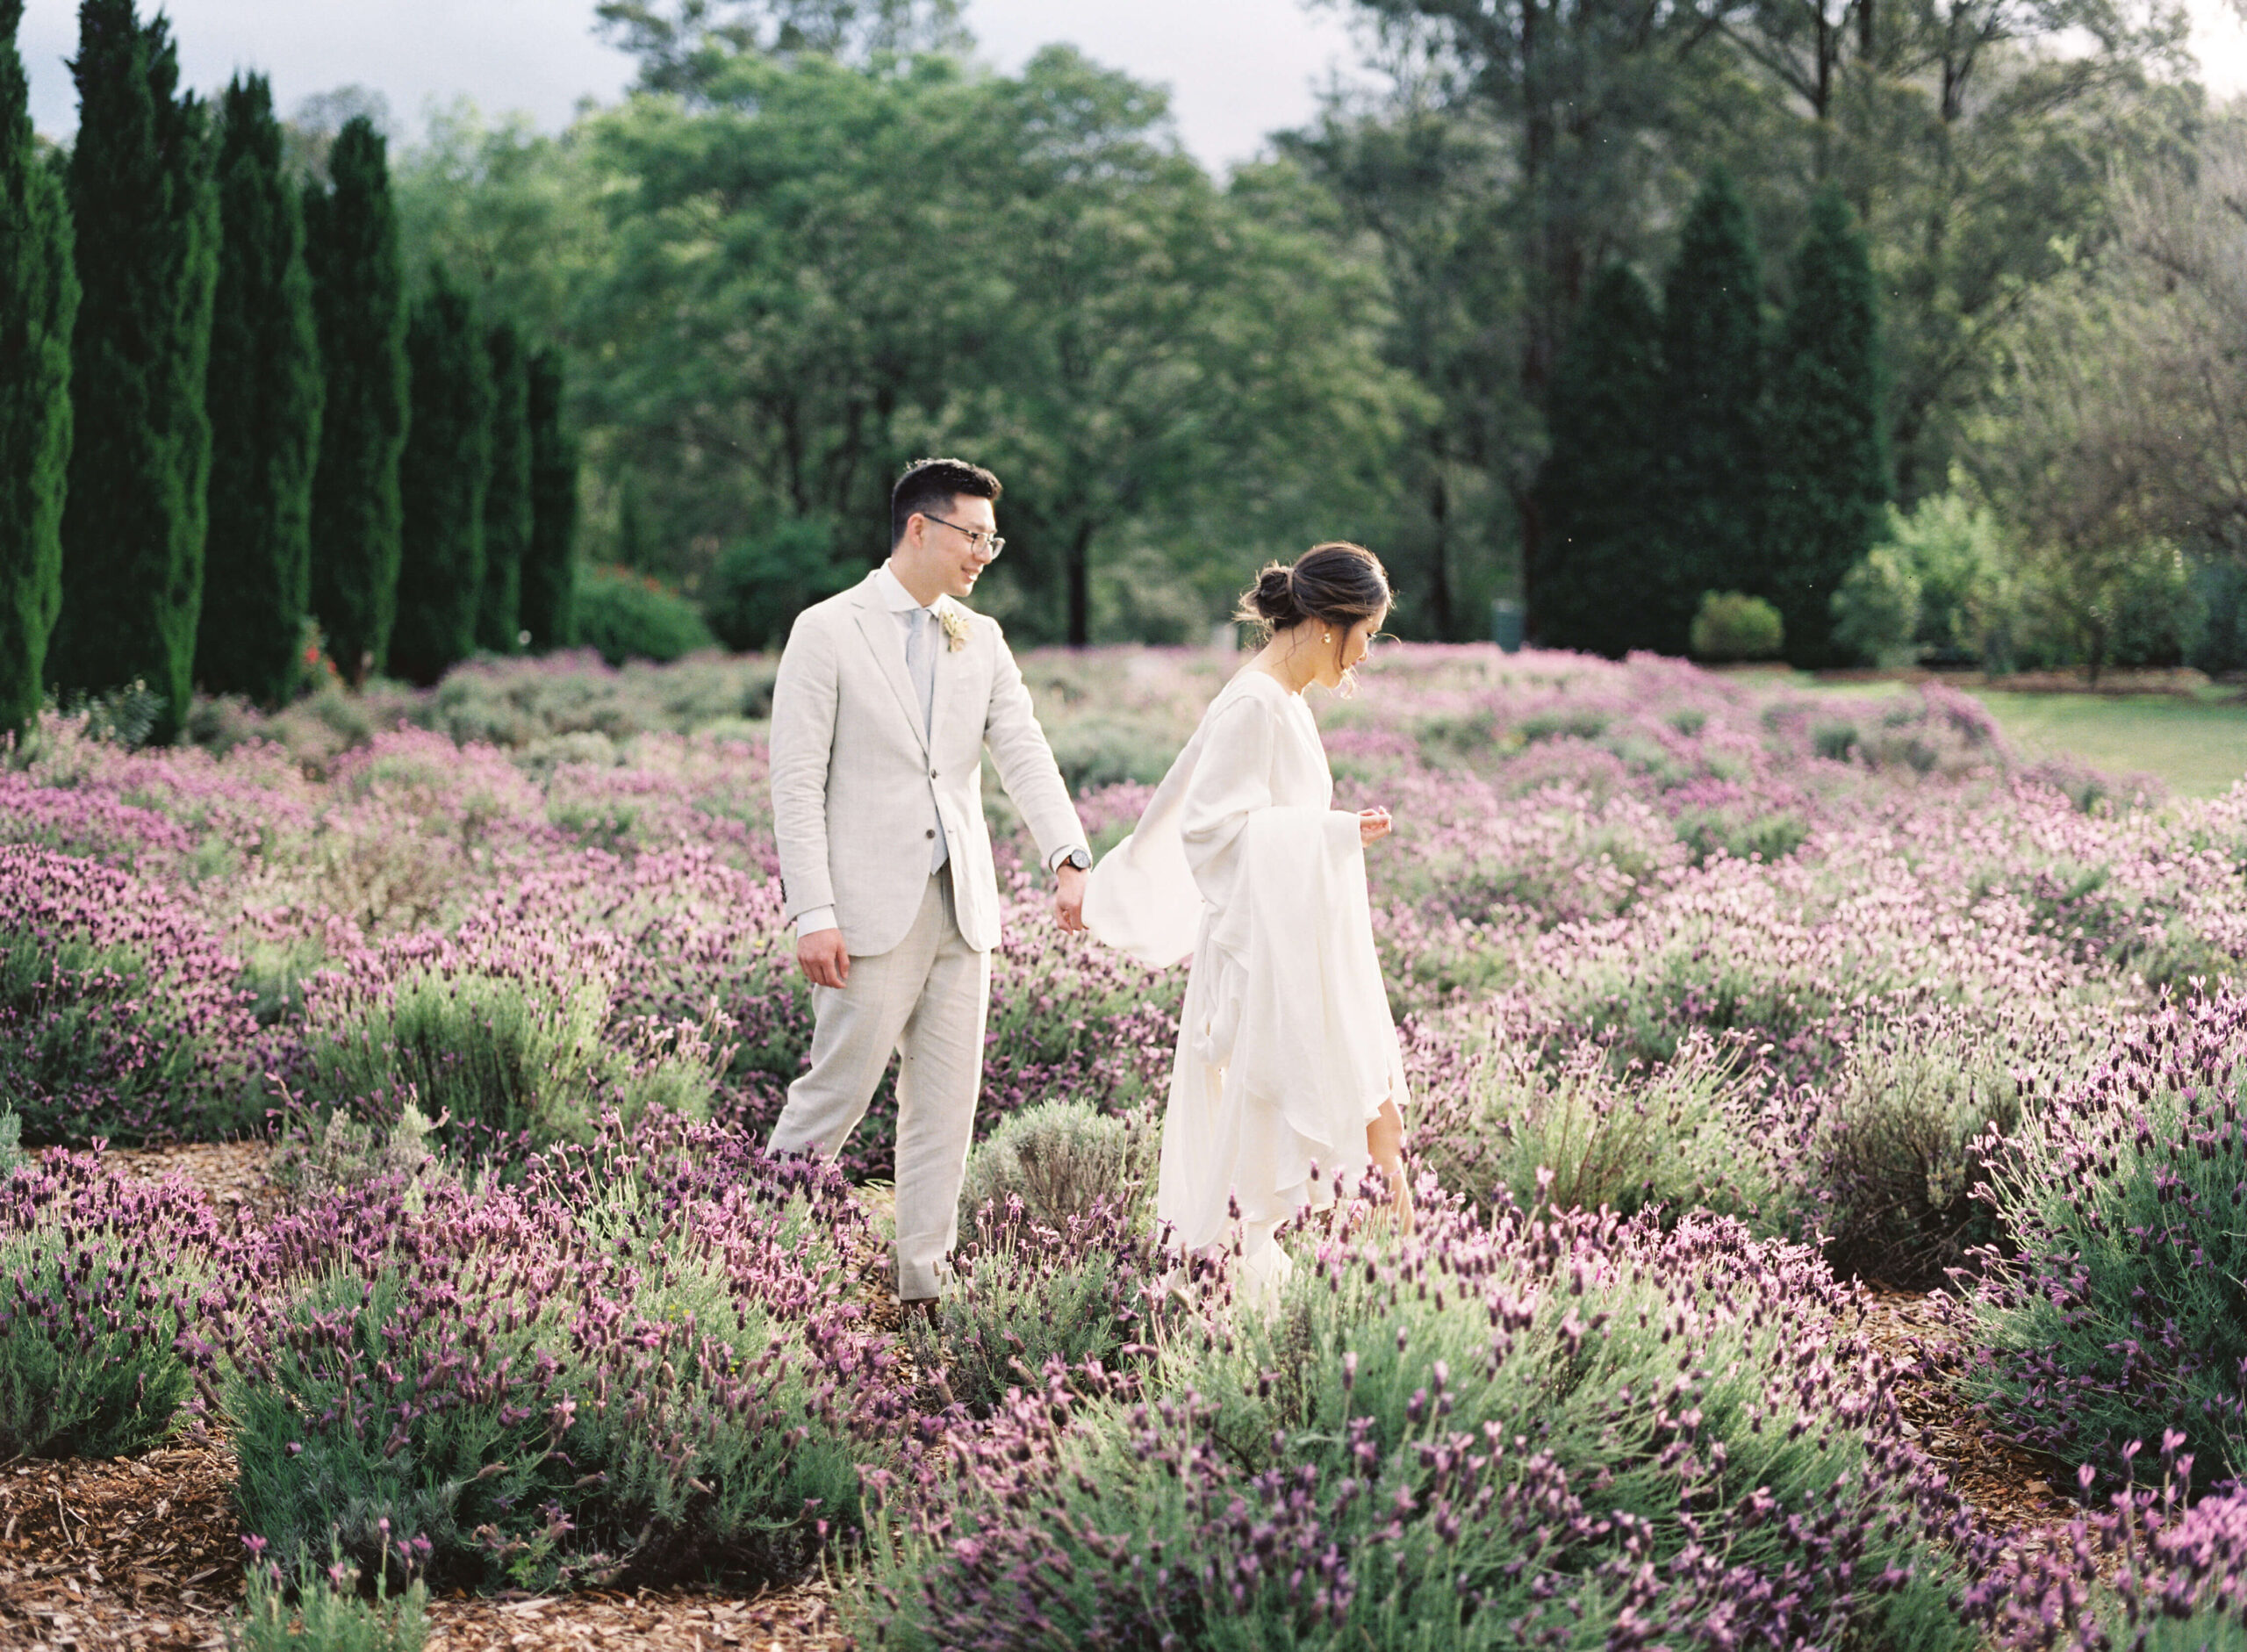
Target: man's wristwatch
1081,858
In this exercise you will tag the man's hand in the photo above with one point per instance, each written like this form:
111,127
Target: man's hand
1373,826
1069,899
822,957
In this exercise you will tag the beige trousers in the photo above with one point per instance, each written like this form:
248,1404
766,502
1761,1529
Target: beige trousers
926,999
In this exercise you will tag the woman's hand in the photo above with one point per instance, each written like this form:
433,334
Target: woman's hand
1373,826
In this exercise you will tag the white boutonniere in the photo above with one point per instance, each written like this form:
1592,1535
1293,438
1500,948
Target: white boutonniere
954,620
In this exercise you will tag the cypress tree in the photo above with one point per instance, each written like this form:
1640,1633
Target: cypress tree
39,304
147,254
1830,461
359,300
549,585
507,497
1599,496
265,393
442,477
1712,410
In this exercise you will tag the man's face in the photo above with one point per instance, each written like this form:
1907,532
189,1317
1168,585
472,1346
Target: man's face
956,558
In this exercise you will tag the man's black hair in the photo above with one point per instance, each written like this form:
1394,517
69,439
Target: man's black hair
929,486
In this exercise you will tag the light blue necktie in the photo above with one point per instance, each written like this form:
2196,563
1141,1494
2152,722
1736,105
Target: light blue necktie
920,664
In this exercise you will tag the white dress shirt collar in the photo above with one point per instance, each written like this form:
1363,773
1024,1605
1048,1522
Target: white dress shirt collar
895,596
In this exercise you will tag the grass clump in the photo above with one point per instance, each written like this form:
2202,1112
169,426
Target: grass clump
322,1610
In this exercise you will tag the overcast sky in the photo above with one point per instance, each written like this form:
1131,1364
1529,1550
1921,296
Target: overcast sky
1237,68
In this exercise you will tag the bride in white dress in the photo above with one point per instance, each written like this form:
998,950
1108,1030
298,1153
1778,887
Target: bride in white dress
1287,1082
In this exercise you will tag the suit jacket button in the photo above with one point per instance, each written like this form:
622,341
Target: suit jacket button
932,774
931,832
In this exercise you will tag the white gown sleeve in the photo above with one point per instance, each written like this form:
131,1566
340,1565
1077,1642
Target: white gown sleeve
1231,783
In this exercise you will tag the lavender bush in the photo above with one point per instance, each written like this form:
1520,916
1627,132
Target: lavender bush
1028,1295
99,1281
1549,1431
2121,1317
119,1013
1058,1159
505,1030
1659,939
1901,1136
1576,1133
642,1362
2151,1571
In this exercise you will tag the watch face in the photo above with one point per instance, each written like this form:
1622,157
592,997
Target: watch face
1080,860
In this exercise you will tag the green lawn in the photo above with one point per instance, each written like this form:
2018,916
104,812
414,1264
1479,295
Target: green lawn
2198,747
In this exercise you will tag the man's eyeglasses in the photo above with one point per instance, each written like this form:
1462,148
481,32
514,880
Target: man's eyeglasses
979,542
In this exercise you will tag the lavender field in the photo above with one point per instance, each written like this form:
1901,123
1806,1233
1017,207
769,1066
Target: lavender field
1723,1002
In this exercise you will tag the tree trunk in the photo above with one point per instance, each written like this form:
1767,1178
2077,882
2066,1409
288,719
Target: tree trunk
1081,587
1440,615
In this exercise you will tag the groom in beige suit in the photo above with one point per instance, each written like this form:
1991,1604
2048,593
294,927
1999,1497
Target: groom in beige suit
888,696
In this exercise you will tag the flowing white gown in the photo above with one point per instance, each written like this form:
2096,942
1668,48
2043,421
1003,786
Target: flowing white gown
1285,1048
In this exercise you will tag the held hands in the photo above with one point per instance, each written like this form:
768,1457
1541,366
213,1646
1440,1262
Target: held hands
822,957
1373,826
1069,899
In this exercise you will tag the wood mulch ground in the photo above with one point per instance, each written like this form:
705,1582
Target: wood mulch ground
2021,1494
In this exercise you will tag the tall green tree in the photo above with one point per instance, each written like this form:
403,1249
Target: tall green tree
39,307
1600,495
359,299
265,396
550,583
1828,457
147,219
1712,413
443,477
507,494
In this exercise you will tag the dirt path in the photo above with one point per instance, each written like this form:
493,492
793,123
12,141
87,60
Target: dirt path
2013,1492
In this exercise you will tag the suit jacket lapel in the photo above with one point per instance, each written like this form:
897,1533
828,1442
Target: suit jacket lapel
880,627
952,676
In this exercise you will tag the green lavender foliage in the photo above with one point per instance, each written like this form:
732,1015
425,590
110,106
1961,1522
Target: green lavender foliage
508,510
147,216
511,1059
322,1610
39,307
1711,412
1599,504
100,1275
1828,445
359,299
550,581
443,478
265,394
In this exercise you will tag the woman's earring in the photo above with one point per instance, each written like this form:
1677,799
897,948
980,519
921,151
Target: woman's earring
1326,636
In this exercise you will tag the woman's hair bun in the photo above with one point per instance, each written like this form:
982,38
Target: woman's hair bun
1338,582
1271,600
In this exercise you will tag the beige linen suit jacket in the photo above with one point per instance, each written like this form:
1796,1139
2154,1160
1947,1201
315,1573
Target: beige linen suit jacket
853,772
